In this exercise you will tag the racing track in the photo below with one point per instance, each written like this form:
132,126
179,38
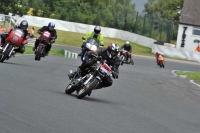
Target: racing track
145,99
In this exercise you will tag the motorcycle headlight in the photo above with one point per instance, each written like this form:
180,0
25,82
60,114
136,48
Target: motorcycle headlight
94,48
15,39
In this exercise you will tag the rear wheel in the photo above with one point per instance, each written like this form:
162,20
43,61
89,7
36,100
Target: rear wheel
85,90
6,53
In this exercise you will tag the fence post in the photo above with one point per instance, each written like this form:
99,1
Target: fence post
143,30
161,29
135,26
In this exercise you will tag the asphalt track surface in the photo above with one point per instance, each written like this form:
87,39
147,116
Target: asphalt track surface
145,99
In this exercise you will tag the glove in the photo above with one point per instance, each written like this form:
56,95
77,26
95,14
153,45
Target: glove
39,32
52,41
115,75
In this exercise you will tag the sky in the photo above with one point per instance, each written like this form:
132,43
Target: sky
139,4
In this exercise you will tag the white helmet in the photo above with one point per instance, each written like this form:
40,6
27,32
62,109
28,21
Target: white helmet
127,42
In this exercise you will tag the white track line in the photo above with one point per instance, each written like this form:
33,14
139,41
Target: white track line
192,81
173,72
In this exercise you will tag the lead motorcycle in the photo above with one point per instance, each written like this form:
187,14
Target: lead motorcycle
44,42
13,40
86,84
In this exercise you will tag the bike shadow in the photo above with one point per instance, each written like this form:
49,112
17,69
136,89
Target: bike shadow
12,63
91,99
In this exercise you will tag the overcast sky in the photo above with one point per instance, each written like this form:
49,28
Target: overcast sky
139,4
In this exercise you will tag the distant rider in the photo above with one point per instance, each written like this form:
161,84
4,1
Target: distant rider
128,48
157,55
49,28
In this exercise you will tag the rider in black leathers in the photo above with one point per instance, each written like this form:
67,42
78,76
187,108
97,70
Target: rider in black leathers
128,48
23,25
110,55
53,32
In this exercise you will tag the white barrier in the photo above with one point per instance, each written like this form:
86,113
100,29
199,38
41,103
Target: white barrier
84,28
176,52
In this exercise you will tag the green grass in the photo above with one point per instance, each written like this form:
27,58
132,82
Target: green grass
54,51
190,75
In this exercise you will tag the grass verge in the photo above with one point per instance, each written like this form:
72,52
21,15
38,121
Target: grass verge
54,51
191,75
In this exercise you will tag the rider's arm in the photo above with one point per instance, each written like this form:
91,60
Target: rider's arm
130,49
41,30
100,41
54,35
122,47
87,36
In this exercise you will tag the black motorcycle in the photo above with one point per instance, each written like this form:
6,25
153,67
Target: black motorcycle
84,85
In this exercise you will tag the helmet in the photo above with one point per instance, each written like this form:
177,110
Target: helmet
112,50
97,29
24,25
51,26
127,43
157,53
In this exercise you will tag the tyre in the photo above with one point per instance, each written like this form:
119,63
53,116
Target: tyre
39,52
6,53
70,89
85,90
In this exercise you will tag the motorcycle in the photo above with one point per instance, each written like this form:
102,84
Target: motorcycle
44,42
84,85
90,45
161,61
13,40
123,55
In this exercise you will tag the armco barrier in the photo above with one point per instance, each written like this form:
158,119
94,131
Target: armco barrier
69,54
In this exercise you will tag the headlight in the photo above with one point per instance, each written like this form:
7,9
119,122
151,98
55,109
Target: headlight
15,39
94,48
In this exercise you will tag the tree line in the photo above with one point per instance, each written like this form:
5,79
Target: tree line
120,14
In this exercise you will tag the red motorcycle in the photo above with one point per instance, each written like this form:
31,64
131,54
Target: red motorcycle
44,42
13,40
123,55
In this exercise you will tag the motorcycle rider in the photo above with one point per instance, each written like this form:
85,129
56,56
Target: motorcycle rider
128,48
24,26
49,28
157,55
110,55
96,34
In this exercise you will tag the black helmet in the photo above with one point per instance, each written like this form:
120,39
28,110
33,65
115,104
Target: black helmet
97,29
24,25
112,50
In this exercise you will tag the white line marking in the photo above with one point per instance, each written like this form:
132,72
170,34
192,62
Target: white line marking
173,72
192,81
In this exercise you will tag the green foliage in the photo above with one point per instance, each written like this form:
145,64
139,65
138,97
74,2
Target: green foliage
120,14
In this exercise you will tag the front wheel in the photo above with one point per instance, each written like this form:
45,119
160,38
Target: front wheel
6,53
85,90
70,89
39,52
